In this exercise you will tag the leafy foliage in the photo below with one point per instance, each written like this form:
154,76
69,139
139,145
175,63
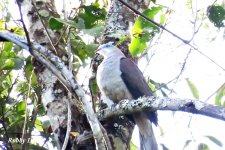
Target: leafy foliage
216,15
219,95
13,92
215,140
143,31
193,89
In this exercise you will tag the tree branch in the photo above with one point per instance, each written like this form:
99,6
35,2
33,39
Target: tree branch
66,77
165,103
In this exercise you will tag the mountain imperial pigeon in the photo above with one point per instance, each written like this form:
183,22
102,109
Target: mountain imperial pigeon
119,78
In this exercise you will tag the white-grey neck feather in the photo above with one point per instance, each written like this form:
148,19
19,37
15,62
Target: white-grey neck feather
111,52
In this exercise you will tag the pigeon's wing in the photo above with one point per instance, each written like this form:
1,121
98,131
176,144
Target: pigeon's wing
135,82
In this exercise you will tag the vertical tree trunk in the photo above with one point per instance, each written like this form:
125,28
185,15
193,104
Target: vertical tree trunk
118,23
54,94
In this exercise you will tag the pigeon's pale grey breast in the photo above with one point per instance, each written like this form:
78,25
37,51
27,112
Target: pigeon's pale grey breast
110,81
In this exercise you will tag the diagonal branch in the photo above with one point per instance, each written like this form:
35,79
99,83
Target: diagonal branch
66,77
165,103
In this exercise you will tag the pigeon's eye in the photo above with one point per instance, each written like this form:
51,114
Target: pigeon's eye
107,45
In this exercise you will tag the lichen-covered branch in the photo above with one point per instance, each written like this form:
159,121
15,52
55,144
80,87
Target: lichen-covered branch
165,103
68,77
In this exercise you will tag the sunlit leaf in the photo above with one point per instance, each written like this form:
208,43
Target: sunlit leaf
193,89
7,47
188,4
219,95
38,125
21,106
30,74
75,134
18,30
132,146
162,18
143,31
215,140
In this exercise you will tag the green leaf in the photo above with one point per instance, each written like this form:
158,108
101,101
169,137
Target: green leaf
41,110
95,31
203,146
137,46
188,4
193,89
6,64
162,18
46,124
132,146
78,47
143,31
215,140
7,47
8,17
219,95
164,147
38,125
93,86
55,24
91,15
30,74
216,15
71,23
19,62
18,30
90,49
21,106
152,87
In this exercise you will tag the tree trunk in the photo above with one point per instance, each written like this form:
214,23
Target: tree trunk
54,94
118,23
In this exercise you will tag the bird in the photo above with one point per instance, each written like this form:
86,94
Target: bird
119,78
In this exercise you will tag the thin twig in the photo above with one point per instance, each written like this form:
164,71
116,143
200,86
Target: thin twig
24,27
68,129
182,69
24,132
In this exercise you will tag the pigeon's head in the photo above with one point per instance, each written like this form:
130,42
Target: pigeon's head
106,49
